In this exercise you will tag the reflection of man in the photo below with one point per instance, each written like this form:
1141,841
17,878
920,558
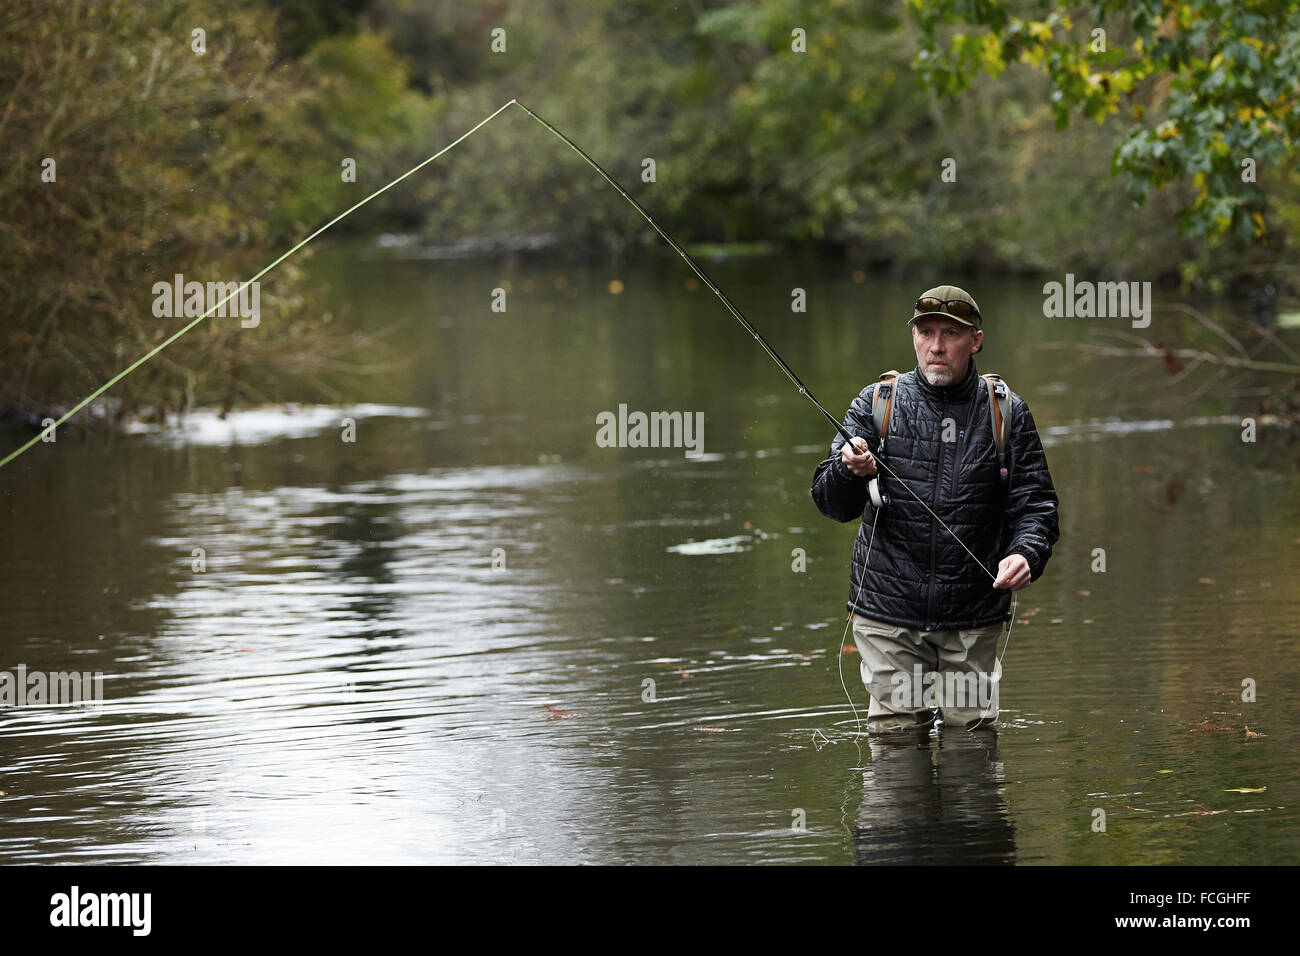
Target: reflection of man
943,807
920,602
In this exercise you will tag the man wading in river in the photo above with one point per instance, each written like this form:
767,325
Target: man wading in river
926,615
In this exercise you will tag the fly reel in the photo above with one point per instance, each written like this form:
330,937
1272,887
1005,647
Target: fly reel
879,499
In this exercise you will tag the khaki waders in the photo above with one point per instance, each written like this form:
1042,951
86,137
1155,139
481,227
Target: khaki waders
911,674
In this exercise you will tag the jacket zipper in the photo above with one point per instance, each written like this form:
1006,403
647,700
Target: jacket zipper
956,464
934,525
962,434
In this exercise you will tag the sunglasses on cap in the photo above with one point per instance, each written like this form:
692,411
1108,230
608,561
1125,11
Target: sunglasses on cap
958,307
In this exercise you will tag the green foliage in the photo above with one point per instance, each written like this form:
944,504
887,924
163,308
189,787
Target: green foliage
1207,89
212,165
169,162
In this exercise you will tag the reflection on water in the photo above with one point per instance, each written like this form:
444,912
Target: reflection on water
472,635
943,807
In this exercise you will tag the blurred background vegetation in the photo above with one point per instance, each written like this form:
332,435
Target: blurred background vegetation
211,165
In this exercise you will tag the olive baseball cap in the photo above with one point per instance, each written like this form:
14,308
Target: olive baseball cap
948,302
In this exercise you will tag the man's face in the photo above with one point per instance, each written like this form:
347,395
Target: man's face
943,348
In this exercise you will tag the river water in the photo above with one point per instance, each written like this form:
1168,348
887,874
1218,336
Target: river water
473,635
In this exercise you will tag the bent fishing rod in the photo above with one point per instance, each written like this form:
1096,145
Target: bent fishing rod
731,307
695,267
740,317
803,390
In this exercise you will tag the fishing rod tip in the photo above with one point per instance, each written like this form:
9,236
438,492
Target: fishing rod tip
512,100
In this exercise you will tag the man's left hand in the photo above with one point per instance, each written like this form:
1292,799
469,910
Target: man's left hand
1013,573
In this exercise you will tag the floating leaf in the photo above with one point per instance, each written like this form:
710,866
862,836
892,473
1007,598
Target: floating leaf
554,713
1210,729
1245,790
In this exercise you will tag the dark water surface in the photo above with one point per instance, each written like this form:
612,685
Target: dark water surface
351,680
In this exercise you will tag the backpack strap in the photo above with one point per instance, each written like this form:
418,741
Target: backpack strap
1000,414
882,402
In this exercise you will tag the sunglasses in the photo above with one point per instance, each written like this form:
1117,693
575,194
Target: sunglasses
958,307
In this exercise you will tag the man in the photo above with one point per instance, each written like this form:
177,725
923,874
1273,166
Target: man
926,614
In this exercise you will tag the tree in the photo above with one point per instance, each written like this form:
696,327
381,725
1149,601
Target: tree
144,141
1211,90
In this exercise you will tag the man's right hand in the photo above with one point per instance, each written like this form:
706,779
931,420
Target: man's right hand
857,459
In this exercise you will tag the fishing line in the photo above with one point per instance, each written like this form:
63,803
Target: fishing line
936,518
239,291
857,721
740,317
803,389
731,307
839,650
1011,622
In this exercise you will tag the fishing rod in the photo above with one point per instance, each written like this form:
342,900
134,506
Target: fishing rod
803,390
695,266
731,306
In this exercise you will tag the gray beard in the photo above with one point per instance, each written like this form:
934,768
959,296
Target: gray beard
940,379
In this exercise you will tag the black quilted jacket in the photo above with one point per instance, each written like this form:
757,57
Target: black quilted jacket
919,576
